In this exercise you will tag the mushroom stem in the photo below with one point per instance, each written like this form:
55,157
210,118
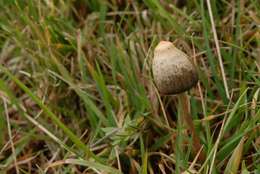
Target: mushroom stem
186,118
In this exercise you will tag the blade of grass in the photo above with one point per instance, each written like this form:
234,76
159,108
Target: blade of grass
10,136
210,55
144,156
106,96
2,126
218,49
232,115
234,161
87,163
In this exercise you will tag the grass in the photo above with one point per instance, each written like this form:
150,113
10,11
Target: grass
77,93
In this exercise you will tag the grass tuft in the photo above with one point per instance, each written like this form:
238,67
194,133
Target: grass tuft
77,91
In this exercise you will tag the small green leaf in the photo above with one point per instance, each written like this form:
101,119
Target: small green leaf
234,161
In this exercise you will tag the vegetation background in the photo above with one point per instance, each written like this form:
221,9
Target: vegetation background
77,94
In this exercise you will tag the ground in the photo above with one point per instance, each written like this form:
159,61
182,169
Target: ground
78,95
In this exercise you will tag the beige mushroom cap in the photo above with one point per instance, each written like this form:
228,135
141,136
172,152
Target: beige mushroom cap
172,70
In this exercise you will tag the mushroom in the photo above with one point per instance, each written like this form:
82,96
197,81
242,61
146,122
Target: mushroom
173,74
172,70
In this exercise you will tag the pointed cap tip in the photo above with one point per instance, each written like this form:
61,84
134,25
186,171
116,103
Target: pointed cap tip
163,45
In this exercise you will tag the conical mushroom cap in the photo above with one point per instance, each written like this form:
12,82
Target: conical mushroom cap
172,70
